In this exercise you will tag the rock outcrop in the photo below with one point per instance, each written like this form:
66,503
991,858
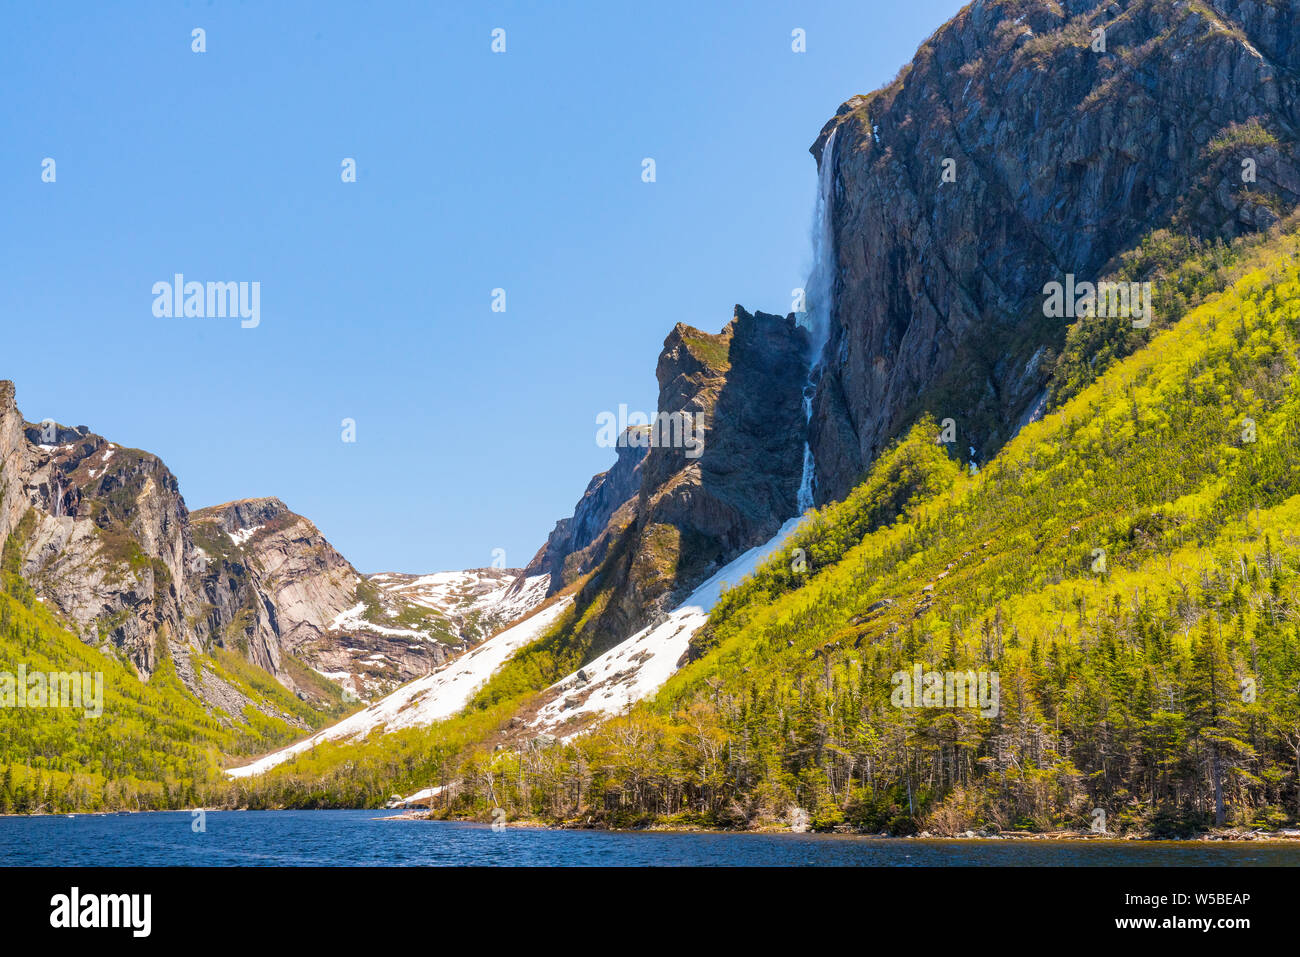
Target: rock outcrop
101,533
271,582
700,505
578,544
1063,155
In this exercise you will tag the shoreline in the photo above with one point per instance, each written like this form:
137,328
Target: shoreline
1216,836
1220,836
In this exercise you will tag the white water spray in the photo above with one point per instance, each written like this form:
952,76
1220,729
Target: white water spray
819,293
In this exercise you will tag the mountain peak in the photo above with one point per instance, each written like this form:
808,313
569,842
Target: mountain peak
244,513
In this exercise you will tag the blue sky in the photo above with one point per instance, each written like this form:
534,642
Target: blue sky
475,429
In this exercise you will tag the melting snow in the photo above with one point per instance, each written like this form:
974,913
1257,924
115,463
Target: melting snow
353,620
245,534
422,702
334,675
467,592
639,666
422,795
352,613
627,673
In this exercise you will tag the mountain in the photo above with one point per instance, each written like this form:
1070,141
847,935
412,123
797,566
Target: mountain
1113,545
103,536
1087,520
271,581
1084,142
1064,158
289,592
687,509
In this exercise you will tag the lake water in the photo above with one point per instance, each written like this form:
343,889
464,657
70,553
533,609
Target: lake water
307,838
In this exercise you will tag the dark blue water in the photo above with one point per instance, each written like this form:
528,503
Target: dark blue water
301,838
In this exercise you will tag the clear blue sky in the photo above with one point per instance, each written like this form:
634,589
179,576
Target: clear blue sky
475,429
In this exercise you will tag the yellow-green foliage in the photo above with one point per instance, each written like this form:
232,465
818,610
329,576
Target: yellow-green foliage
153,746
712,350
1128,567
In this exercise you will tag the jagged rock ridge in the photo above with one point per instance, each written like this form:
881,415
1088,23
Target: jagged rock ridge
578,544
691,514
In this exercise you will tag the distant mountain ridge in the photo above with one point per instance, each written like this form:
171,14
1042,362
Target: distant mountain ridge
104,537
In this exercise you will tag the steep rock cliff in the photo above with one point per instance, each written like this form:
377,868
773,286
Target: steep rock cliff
102,535
1063,156
698,507
578,544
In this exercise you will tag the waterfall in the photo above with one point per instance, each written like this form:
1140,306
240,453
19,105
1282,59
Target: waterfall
819,292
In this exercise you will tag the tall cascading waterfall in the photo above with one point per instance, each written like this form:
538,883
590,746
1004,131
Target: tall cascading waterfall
819,292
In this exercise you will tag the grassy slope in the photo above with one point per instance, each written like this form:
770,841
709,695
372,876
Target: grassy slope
1123,688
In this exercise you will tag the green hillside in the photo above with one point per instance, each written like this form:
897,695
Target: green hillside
153,745
1127,567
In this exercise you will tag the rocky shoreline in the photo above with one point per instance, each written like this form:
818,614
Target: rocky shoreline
1234,835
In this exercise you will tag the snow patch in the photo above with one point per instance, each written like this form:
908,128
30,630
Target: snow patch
243,535
639,666
353,620
333,675
426,700
351,614
419,796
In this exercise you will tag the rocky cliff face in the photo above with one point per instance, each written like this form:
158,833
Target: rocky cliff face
580,543
747,384
1062,156
14,461
276,589
102,534
271,581
699,505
